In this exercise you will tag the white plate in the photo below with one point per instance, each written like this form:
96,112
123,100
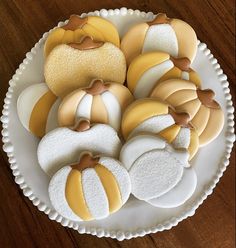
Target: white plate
136,218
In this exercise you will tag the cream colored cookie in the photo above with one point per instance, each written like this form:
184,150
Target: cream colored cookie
92,188
153,116
74,65
100,103
37,109
149,69
205,113
95,26
164,34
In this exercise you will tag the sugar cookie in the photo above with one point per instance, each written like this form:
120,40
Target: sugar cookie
156,170
37,109
100,103
205,113
92,188
95,26
164,34
74,65
149,69
153,116
63,145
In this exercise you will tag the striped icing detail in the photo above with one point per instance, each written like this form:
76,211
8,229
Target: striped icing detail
194,144
75,196
94,194
111,187
98,110
161,37
181,96
84,107
190,107
150,77
39,114
182,140
52,122
113,109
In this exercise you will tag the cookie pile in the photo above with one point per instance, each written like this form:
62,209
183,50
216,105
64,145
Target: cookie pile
116,118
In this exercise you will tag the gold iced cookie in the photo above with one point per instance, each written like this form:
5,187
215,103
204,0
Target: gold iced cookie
205,113
100,103
97,27
172,36
74,65
149,69
153,116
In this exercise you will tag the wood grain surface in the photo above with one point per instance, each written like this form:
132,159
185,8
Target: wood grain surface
22,23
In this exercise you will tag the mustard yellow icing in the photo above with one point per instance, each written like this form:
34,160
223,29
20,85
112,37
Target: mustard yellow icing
190,107
141,64
98,110
90,30
138,112
170,133
75,196
194,77
111,187
39,114
172,73
194,144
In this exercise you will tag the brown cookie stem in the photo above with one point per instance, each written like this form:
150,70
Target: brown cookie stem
81,125
86,161
97,87
206,98
182,63
181,119
86,43
160,19
75,22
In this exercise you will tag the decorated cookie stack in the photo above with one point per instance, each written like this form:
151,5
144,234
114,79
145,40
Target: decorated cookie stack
100,140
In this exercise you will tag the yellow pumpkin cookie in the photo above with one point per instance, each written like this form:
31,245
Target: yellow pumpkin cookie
74,65
153,116
205,113
92,188
149,69
173,36
95,26
100,103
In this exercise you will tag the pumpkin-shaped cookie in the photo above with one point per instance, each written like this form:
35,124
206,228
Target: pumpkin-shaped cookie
100,103
159,174
37,109
149,69
74,65
205,113
164,34
153,116
92,188
62,145
97,27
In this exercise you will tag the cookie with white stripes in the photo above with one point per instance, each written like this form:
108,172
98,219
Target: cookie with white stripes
92,188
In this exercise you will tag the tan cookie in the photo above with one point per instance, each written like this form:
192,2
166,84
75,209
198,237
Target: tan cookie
37,109
173,36
149,69
205,113
97,27
74,65
92,188
100,103
153,116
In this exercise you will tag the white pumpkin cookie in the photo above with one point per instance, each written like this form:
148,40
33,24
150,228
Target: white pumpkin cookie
149,69
205,113
153,116
92,188
37,109
73,65
100,103
157,171
63,145
163,34
95,26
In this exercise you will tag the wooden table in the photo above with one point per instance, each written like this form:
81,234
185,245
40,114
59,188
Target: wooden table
22,24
